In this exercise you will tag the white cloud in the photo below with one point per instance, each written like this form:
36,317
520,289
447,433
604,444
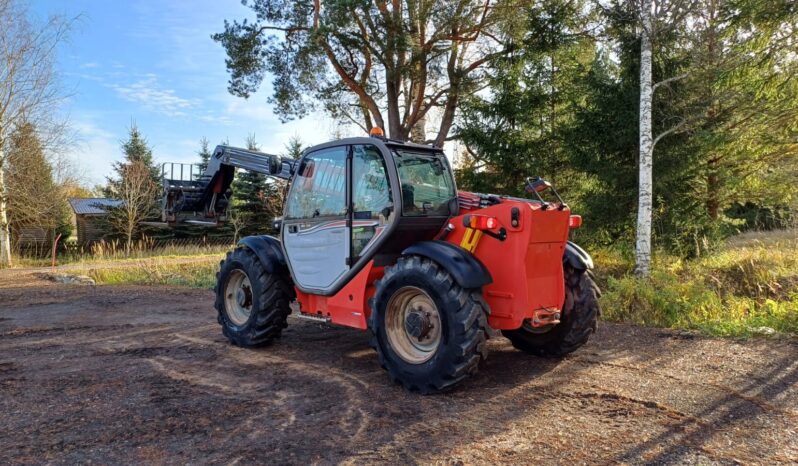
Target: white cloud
150,95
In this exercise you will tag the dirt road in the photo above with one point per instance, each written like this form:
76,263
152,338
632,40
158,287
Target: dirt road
138,374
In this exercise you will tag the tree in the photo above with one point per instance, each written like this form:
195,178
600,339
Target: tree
237,220
28,90
517,130
394,64
256,199
655,17
204,155
136,191
35,200
136,149
137,184
294,147
747,105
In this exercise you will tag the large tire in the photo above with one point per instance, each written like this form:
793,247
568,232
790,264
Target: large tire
578,322
456,340
264,305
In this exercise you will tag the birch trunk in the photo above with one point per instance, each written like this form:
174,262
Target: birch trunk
645,196
5,234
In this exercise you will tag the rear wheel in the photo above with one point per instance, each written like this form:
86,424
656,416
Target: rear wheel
253,304
579,320
429,333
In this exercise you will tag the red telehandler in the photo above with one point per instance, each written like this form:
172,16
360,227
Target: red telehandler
375,236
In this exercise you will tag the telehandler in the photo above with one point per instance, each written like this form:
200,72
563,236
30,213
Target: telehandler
375,236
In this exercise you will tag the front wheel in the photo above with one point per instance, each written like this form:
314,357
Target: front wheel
578,322
253,304
429,332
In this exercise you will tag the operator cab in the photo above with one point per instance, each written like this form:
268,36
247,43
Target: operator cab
358,199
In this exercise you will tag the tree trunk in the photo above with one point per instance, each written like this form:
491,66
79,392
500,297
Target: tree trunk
418,132
448,117
394,129
645,195
713,188
129,241
713,180
5,233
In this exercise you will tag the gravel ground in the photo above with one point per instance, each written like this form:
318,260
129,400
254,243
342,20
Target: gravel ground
143,375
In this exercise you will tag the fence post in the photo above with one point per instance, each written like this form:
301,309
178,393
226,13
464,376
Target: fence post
52,253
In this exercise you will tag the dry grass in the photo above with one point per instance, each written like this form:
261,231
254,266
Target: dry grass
114,251
200,273
748,287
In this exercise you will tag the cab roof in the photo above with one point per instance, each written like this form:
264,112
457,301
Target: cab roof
377,141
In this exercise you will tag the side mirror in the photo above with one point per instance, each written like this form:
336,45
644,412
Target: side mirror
306,169
537,185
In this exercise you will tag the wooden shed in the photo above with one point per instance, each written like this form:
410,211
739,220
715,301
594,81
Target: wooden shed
89,213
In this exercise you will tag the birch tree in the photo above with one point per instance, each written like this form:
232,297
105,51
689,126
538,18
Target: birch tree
645,176
28,90
655,17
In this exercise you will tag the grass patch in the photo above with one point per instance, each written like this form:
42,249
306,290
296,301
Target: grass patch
160,271
115,251
748,287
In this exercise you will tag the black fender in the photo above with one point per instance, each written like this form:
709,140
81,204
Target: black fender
269,252
577,257
466,269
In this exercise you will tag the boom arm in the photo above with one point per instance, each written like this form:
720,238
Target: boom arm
203,199
261,162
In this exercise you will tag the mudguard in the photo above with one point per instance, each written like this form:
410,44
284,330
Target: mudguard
466,269
268,250
577,257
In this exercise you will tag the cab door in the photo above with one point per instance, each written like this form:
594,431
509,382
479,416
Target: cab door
316,233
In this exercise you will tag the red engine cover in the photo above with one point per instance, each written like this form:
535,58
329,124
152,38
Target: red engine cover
527,266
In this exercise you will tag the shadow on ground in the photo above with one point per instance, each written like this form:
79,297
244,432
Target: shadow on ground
137,374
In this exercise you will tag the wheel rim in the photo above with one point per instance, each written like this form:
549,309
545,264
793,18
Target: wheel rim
413,325
238,297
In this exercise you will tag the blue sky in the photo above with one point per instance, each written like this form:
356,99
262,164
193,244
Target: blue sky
153,62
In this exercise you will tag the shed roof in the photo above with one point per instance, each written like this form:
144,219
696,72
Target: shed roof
93,205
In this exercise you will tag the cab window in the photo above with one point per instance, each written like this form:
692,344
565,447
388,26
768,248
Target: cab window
427,184
371,196
319,188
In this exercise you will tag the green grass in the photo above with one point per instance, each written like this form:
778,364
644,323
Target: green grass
747,287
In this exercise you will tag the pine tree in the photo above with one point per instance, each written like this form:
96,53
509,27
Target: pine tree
204,155
256,199
141,196
35,200
516,130
136,149
294,147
